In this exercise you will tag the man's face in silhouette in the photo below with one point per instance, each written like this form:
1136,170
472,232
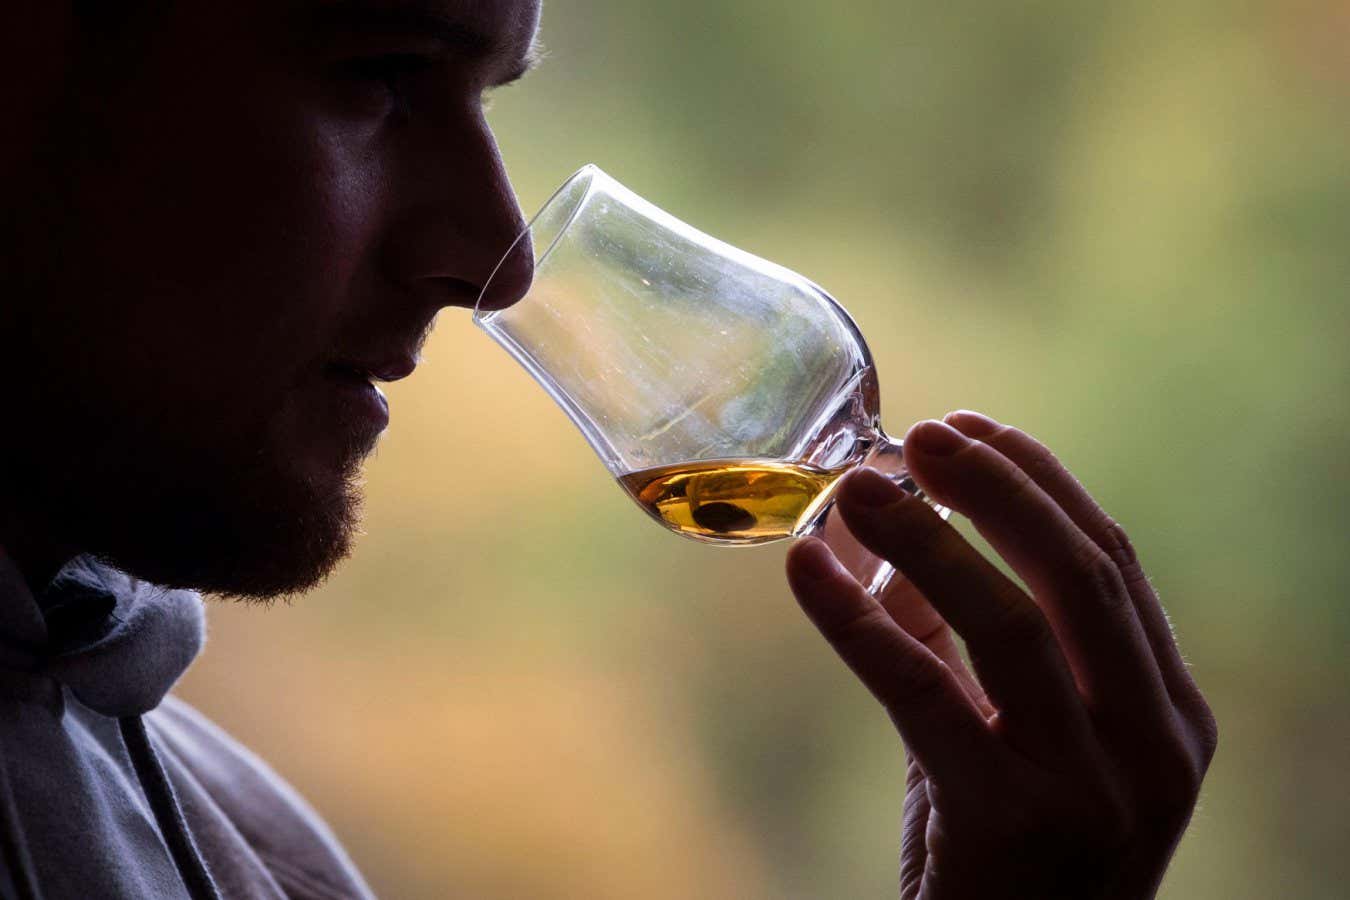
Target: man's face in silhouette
230,218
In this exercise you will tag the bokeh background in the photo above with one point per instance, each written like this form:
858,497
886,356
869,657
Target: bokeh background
1125,227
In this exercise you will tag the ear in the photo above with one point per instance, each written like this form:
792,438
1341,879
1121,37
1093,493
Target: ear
35,52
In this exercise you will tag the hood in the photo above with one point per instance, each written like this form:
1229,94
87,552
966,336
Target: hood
117,642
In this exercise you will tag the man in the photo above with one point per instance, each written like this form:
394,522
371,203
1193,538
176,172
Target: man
223,224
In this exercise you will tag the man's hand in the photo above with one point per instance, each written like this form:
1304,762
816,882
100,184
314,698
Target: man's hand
1067,764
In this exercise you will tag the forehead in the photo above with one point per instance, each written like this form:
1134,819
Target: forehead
500,28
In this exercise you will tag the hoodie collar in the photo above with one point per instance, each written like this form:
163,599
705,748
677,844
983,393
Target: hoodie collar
117,642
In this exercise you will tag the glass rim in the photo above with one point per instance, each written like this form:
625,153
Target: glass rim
591,173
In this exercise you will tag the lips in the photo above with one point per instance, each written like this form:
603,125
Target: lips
356,376
360,396
384,369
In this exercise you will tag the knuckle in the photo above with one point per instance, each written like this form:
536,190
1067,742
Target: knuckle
904,682
1117,545
1038,461
918,685
1207,733
1015,487
1014,443
1185,774
855,631
1020,622
1182,790
929,537
1097,572
1177,769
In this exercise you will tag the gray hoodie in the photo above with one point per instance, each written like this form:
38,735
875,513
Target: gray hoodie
109,788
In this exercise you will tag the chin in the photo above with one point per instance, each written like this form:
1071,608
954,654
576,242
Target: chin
262,556
258,535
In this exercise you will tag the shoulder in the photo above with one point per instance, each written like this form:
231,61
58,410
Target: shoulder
218,761
267,812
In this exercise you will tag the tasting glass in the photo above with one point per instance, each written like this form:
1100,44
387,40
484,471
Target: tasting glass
667,347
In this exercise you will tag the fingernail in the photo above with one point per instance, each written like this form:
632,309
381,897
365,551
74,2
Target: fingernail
814,559
971,423
868,487
935,438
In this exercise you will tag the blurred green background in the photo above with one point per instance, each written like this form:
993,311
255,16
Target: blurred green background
1125,227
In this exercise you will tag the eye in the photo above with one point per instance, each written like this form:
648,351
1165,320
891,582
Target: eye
386,81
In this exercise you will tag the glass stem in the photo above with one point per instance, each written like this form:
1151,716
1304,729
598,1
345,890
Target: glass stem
874,573
887,456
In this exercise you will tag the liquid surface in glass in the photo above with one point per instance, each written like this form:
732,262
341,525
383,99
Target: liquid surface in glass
736,501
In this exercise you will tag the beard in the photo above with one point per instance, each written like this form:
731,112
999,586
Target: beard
231,520
252,532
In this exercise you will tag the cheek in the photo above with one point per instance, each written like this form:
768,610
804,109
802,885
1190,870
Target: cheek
221,249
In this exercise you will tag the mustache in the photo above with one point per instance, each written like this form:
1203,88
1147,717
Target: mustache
377,331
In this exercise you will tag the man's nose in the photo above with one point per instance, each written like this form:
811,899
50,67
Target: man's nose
512,277
460,229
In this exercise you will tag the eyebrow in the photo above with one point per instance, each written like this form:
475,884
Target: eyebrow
425,18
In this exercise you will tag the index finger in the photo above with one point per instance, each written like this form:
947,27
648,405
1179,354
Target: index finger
935,718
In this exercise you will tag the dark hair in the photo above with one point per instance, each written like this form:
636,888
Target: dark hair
112,19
